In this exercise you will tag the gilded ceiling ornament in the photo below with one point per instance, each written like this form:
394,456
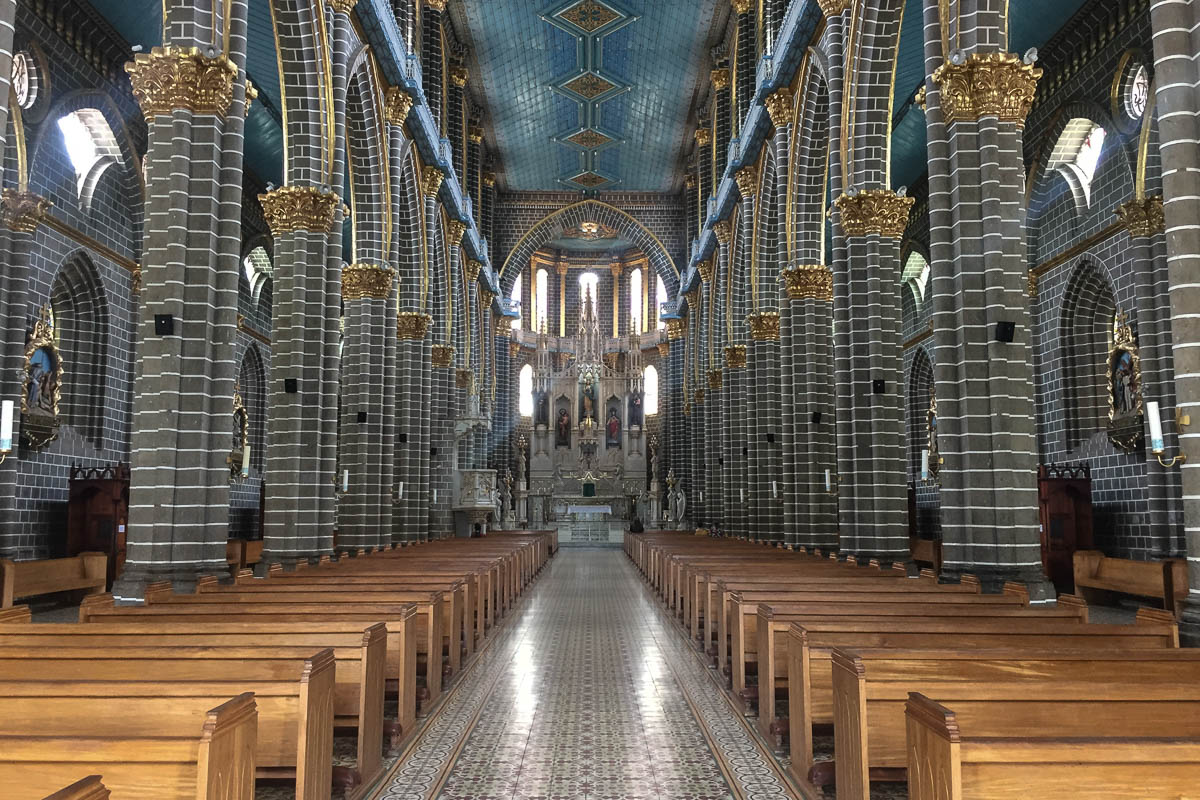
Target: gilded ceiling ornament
460,76
397,104
366,282
735,356
251,95
676,328
780,107
997,85
706,270
879,211
723,231
747,181
171,78
720,79
703,136
741,6
24,211
664,349
473,269
412,325
431,180
1142,217
343,6
832,8
589,139
589,15
299,208
764,326
590,179
716,379
454,232
476,135
590,231
590,85
806,281
442,355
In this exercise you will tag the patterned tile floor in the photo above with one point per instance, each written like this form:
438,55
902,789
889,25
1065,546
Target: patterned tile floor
586,693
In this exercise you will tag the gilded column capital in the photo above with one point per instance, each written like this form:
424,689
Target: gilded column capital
833,8
676,328
436,5
1031,284
689,182
870,211
1143,217
366,282
615,268
664,349
561,268
475,134
720,79
486,296
23,211
698,397
997,85
464,379
703,136
412,325
251,96
343,6
489,179
300,208
442,355
805,281
514,349
454,232
176,78
706,270
693,299
723,231
473,269
764,326
716,379
747,181
460,75
431,180
781,108
741,6
735,356
503,325
397,104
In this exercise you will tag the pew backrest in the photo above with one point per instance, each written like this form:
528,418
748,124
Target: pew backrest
86,571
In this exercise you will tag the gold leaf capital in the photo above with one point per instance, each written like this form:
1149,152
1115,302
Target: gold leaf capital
723,231
703,136
442,355
676,328
366,282
174,78
1144,217
806,281
412,325
431,180
747,181
455,231
343,6
741,6
706,270
24,211
299,208
833,8
716,379
720,79
397,104
764,326
878,211
779,106
997,85
473,269
735,356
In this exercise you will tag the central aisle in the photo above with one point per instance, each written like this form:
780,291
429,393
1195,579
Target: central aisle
588,693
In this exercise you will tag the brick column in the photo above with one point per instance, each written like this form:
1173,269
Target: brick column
722,115
746,63
694,403
411,515
183,390
762,414
431,59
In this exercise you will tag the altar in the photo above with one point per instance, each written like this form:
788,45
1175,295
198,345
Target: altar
589,525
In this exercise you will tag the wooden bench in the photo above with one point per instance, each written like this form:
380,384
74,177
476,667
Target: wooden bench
1098,578
89,788
85,572
242,553
949,759
209,760
1109,690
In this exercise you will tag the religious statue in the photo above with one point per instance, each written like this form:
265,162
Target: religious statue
543,410
562,433
520,459
505,498
498,506
654,460
1125,409
678,504
612,430
636,417
588,399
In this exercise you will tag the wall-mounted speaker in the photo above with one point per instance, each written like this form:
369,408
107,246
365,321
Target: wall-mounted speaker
362,416
770,438
291,385
816,418
164,325
878,386
404,438
1006,331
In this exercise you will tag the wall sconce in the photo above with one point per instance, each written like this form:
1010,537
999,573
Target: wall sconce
927,477
344,487
7,410
1157,443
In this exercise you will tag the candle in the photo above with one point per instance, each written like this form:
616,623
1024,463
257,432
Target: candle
828,482
742,495
6,426
774,489
924,465
345,480
400,490
1156,434
435,496
246,461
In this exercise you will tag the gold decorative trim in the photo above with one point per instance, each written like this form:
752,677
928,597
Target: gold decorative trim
460,76
676,328
431,181
436,5
833,8
780,107
723,231
299,208
171,78
698,397
397,104
741,6
503,325
442,355
720,79
716,379
23,211
251,95
412,325
464,379
367,282
805,281
735,356
473,269
997,85
454,232
921,96
764,326
343,6
1142,217
664,349
747,181
489,179
706,270
1031,284
878,211
41,383
703,137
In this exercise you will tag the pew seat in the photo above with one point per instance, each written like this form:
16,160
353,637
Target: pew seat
86,572
1099,577
89,788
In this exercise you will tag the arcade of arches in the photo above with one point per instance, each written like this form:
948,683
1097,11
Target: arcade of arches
908,282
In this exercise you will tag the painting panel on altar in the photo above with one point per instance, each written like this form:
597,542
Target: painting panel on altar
612,425
543,410
562,425
636,413
41,384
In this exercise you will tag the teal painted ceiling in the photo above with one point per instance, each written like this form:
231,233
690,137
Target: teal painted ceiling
591,94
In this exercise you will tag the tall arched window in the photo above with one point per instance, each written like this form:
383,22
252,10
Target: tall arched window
543,292
660,297
516,298
90,146
1076,155
81,325
1085,328
635,301
589,281
650,390
525,402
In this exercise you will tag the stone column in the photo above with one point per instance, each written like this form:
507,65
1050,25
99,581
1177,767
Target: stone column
694,403
1177,78
432,65
441,452
364,510
194,106
707,184
762,415
981,325
746,63
722,114
411,516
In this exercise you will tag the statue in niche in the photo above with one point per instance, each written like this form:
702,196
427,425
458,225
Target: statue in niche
42,381
1124,387
612,429
635,410
1124,395
543,410
521,459
588,398
562,431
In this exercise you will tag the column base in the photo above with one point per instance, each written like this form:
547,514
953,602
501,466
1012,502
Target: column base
1189,622
992,579
131,586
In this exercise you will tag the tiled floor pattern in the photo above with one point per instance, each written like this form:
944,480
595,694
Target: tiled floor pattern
586,693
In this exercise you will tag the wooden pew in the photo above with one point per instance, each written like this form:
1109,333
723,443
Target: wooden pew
348,641
1098,578
951,759
86,572
872,687
212,760
358,678
89,788
810,656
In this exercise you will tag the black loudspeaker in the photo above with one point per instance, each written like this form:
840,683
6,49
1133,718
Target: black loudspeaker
362,416
770,438
745,451
721,461
1006,331
291,386
164,325
878,386
816,418
433,451
404,438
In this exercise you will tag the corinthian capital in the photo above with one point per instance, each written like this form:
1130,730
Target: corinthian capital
175,78
997,85
397,105
299,208
24,211
874,211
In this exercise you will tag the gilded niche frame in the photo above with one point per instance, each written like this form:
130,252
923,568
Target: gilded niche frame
241,435
41,384
1124,381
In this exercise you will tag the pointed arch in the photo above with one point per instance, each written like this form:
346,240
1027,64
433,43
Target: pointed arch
81,318
367,163
1085,324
